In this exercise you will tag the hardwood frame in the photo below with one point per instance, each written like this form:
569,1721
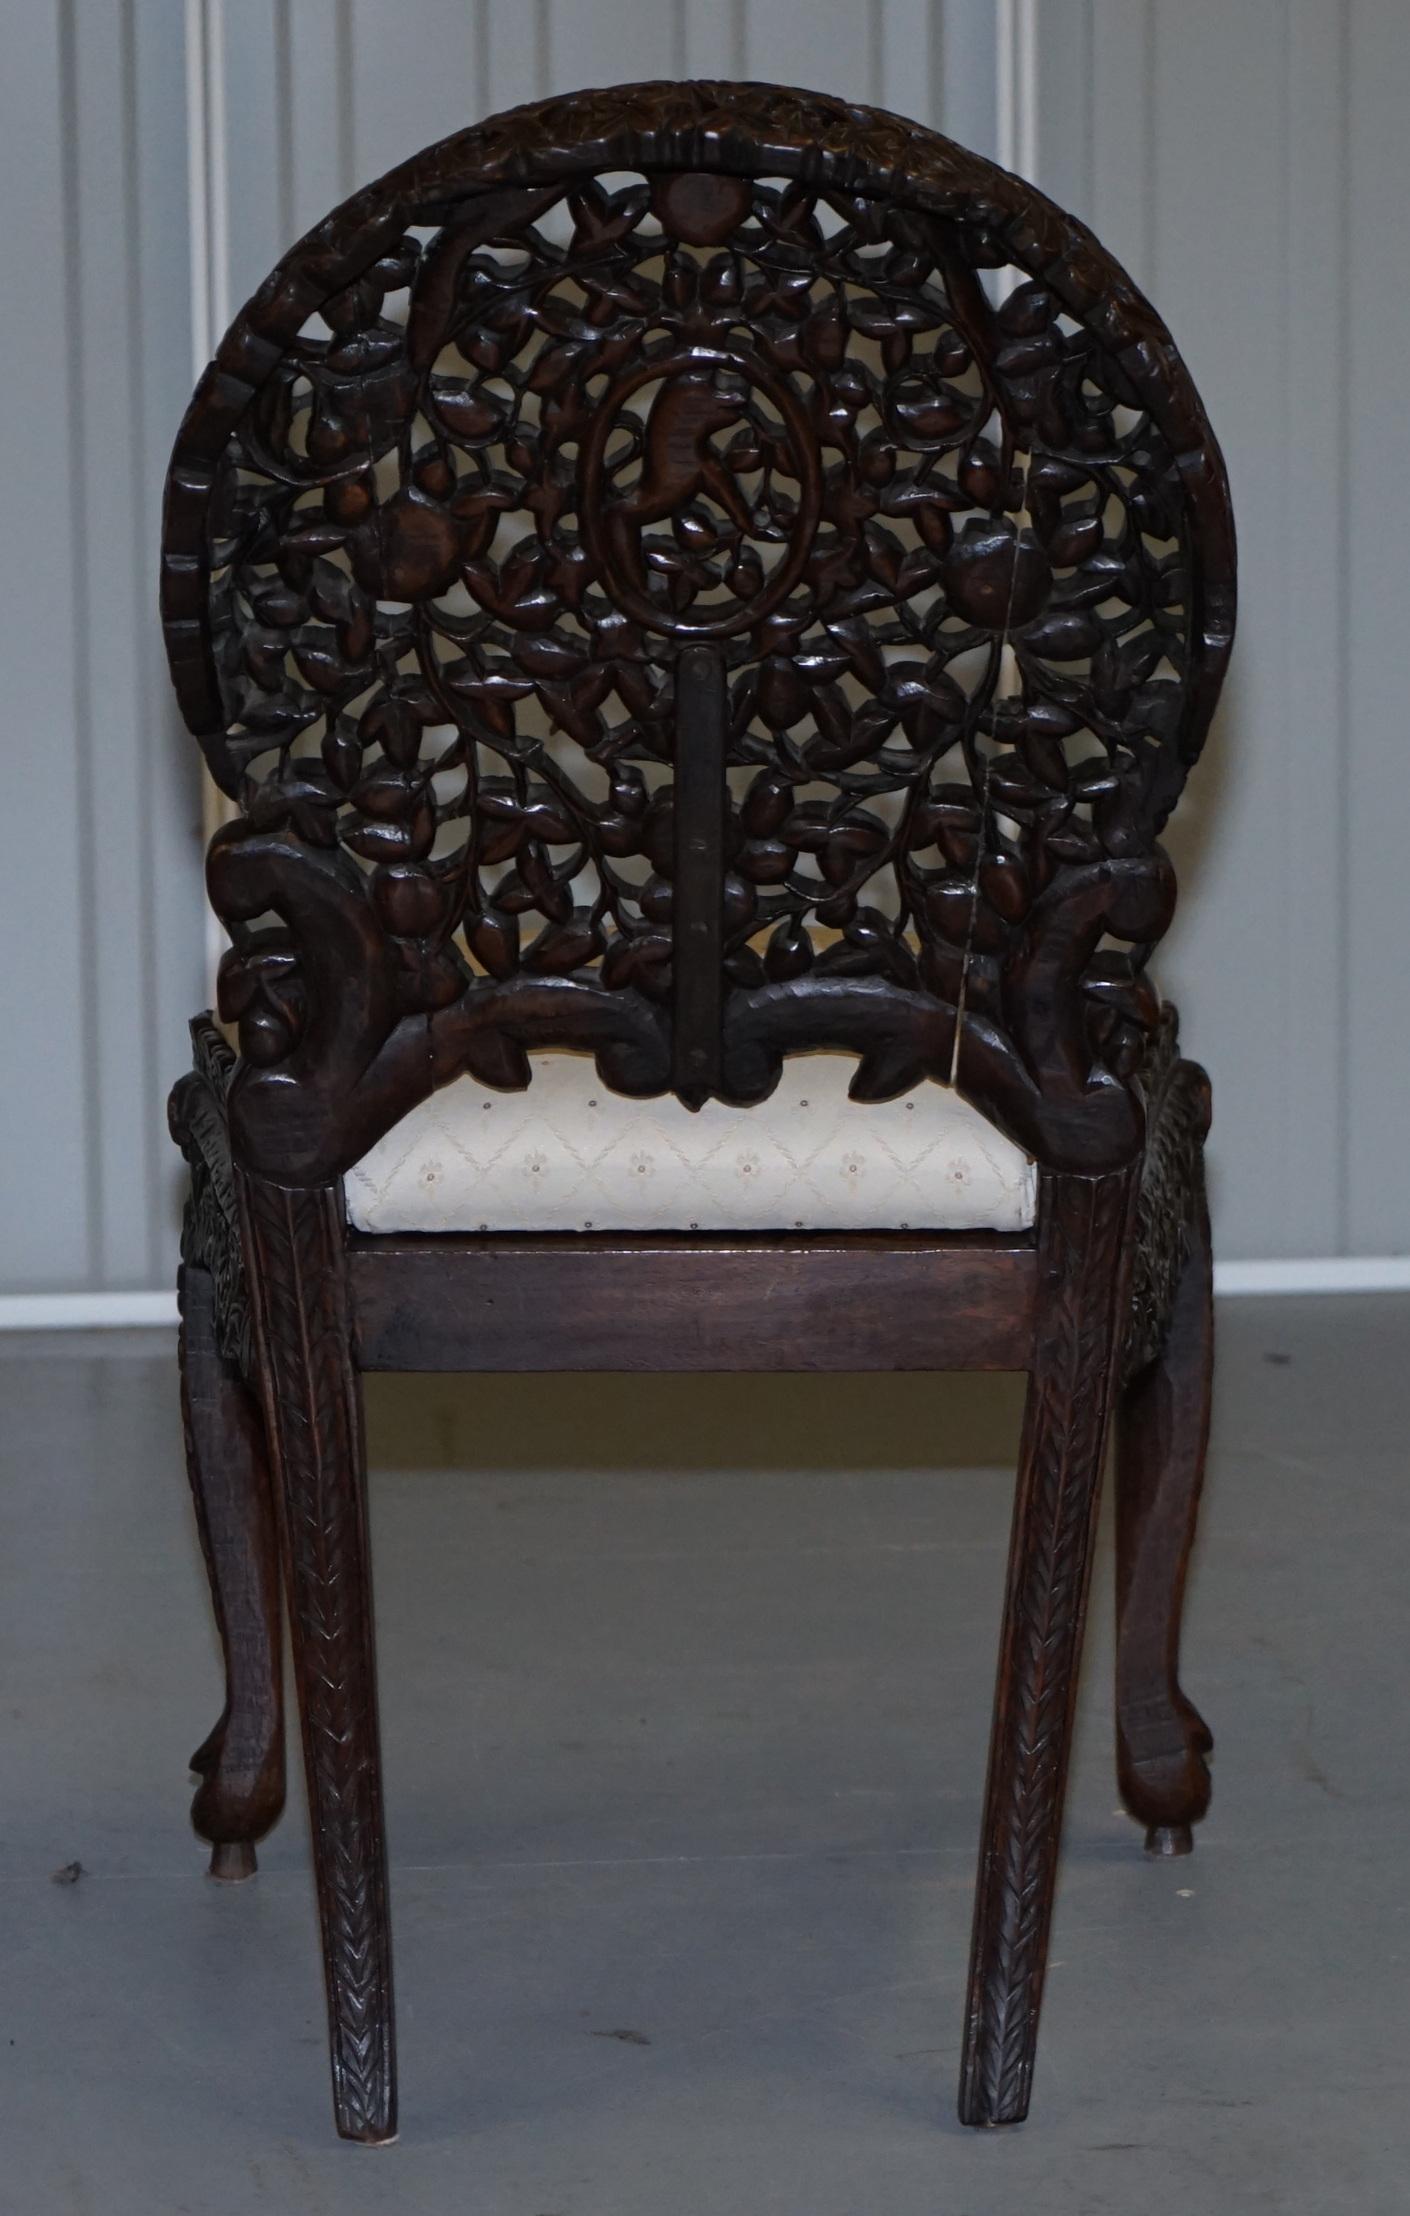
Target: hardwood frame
1110,1298
1014,966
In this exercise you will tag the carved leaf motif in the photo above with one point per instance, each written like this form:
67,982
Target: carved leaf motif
297,1242
581,406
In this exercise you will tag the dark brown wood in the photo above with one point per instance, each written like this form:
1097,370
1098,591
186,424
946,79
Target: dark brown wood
650,592
313,1406
241,1762
1162,1434
809,440
198,1115
1081,1249
600,1301
698,914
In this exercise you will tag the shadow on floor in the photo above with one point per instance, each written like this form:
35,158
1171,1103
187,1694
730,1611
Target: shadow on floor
694,1423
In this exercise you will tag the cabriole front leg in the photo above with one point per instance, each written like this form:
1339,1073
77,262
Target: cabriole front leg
241,1762
1162,1437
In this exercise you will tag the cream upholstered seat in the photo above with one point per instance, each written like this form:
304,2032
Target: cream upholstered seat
570,1155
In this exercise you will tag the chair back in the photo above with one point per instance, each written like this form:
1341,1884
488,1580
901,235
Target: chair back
695,573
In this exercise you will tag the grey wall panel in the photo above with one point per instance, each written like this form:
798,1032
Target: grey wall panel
713,38
1249,164
1363,422
46,1225
1218,263
252,133
1208,146
101,891
316,73
115,856
962,79
516,51
830,44
175,984
606,42
408,92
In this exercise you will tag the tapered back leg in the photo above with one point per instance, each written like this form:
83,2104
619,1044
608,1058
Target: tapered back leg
241,1762
1081,1228
1162,1437
314,1409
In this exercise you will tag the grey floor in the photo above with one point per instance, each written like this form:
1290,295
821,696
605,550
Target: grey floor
684,1751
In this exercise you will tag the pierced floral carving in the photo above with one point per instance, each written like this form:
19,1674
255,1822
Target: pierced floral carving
719,364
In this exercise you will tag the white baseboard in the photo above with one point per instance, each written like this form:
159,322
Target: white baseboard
83,1311
1355,1273
1317,1273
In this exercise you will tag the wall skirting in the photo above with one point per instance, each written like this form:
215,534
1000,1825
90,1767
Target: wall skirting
1356,1273
84,1311
1316,1273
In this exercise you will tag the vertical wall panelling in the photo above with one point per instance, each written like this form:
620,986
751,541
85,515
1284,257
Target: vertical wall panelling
46,1220
318,103
905,44
1016,86
600,42
102,898
712,38
831,44
964,73
1248,163
516,50
1368,745
1116,128
109,609
1227,271
1323,1082
206,206
1207,147
1062,64
407,91
254,103
174,983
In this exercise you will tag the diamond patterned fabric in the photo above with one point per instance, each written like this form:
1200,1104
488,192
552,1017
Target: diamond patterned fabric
568,1155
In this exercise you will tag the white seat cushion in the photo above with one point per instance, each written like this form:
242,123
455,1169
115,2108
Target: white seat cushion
568,1155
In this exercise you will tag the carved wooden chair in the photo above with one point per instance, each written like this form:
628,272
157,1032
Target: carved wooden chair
673,580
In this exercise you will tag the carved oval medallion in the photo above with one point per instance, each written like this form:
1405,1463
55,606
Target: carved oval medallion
700,492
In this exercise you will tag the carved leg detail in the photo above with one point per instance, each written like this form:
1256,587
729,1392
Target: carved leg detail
1082,1223
242,1762
1162,1433
313,1403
